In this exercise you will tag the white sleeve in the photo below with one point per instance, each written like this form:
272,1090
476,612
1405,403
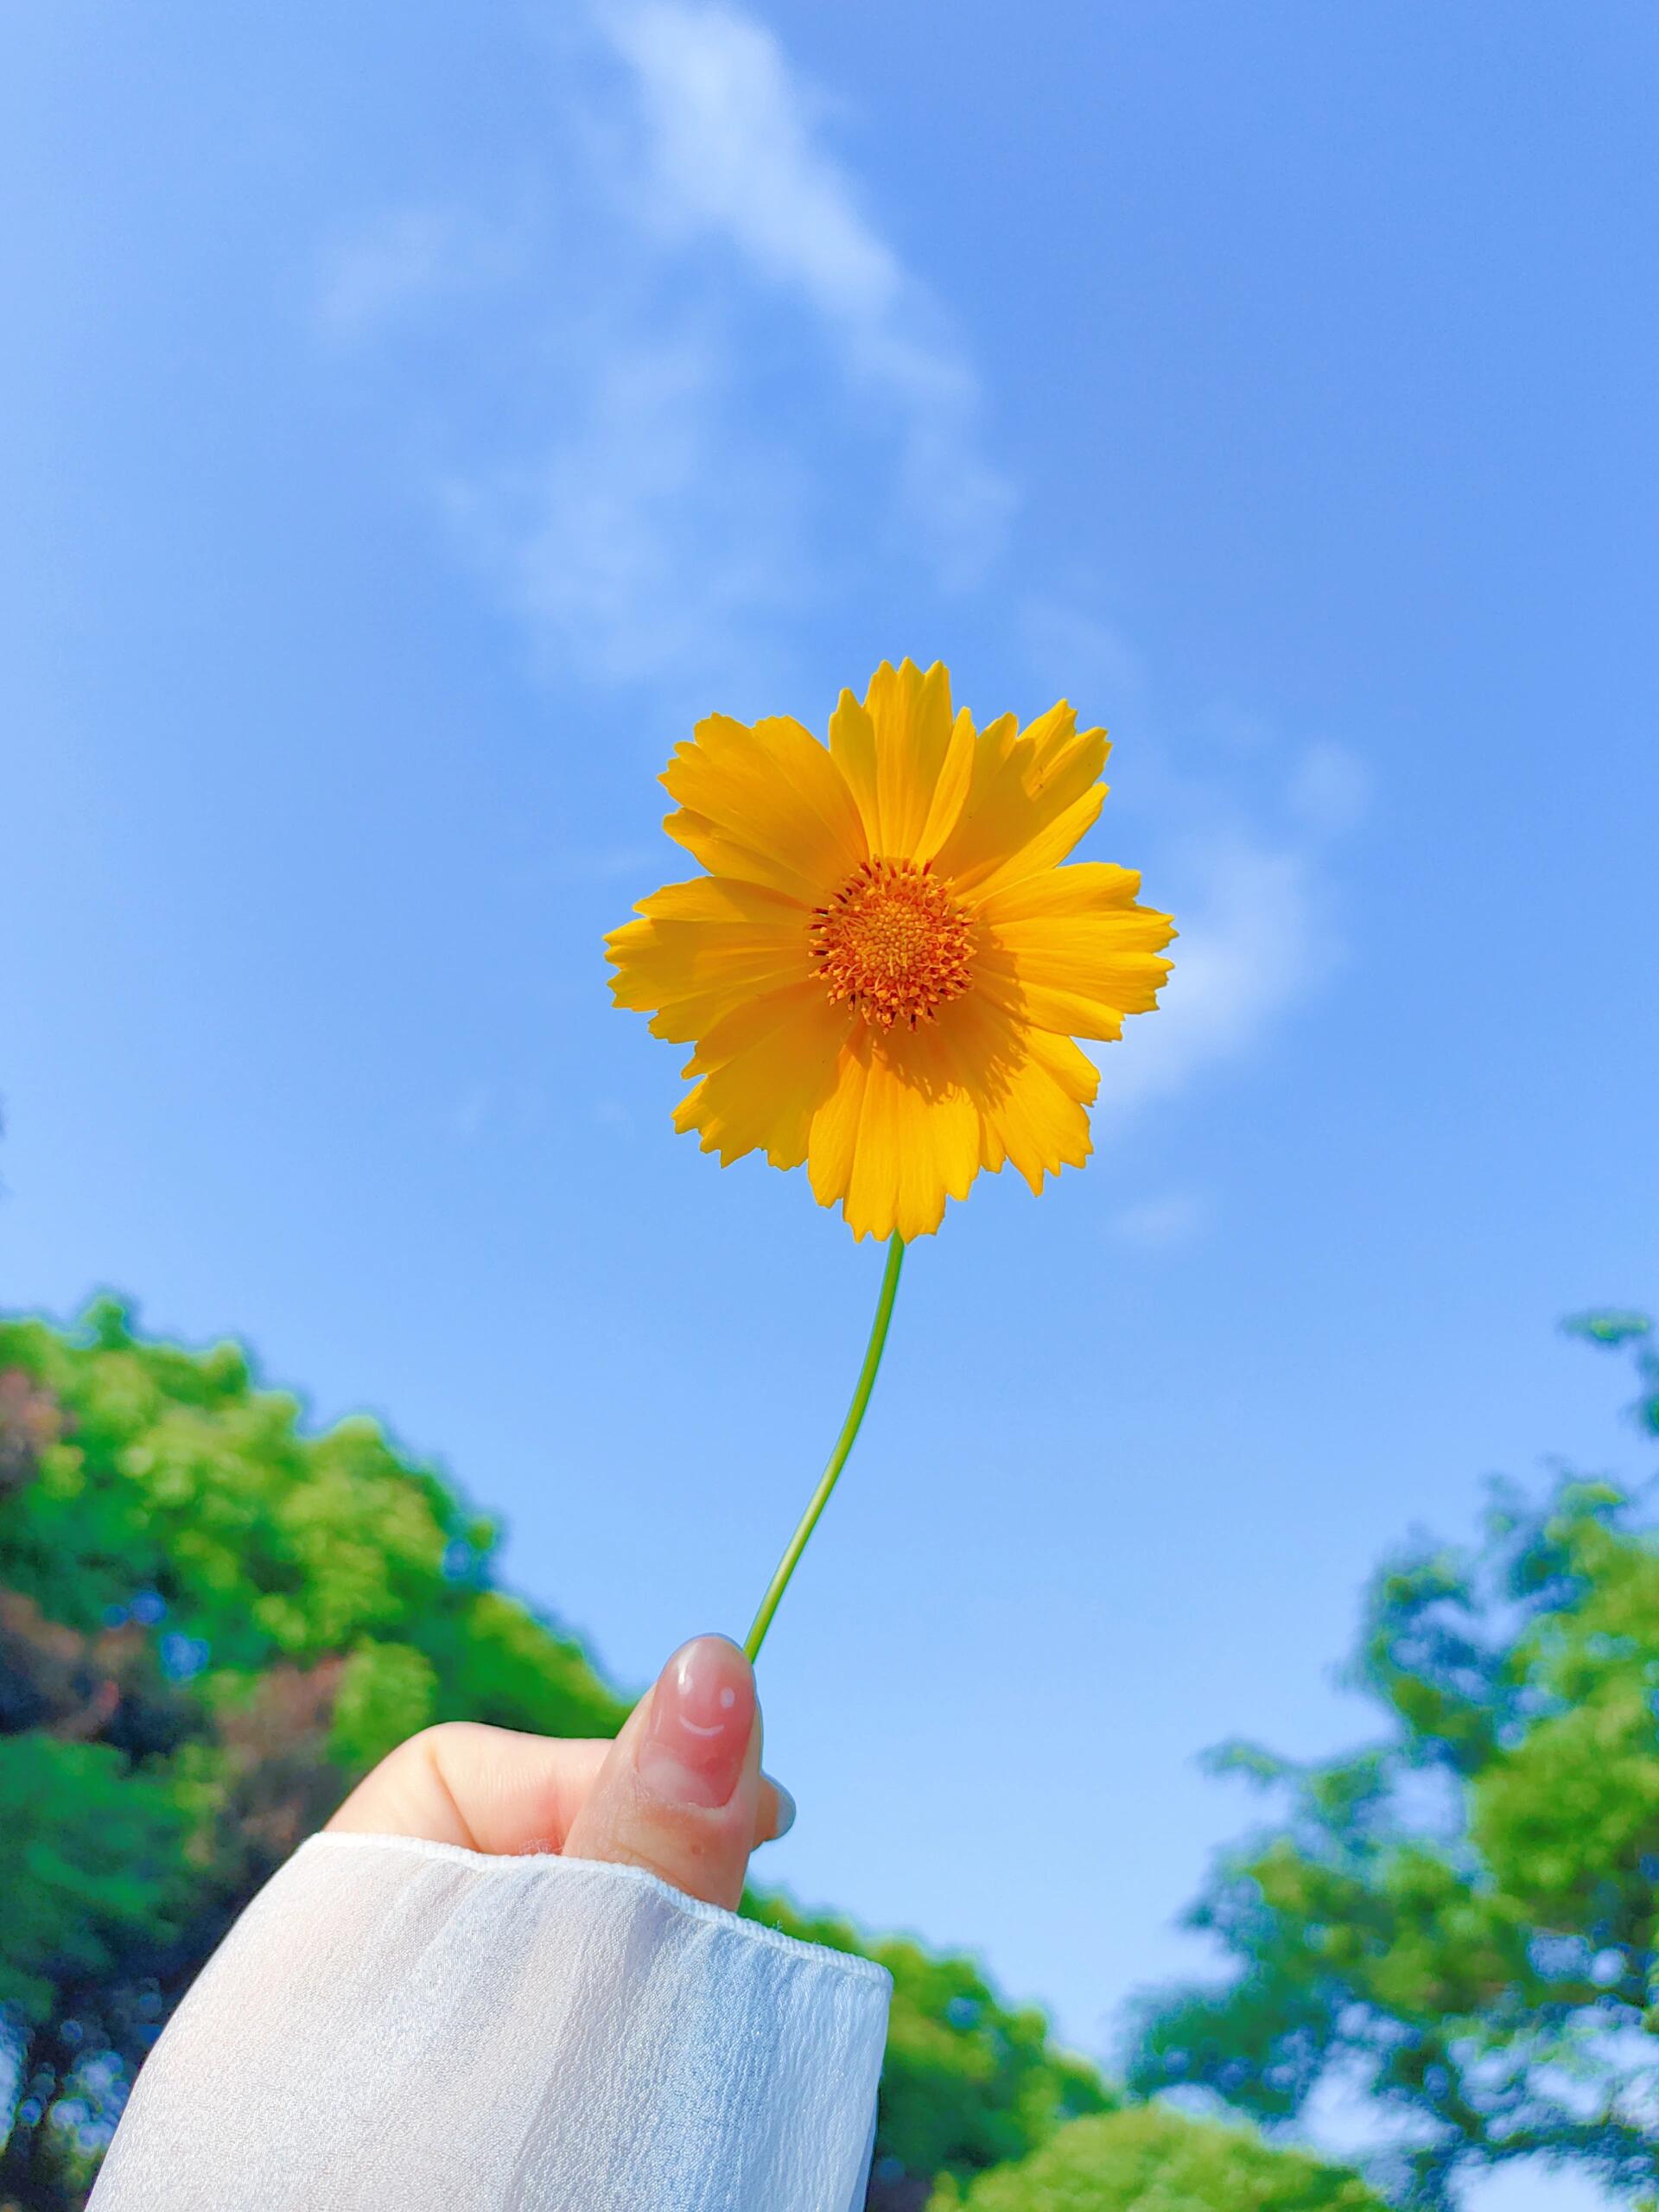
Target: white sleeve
395,2026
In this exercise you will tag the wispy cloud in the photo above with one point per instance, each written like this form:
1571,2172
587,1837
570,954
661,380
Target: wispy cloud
1249,874
652,540
731,142
1255,937
690,389
687,246
732,147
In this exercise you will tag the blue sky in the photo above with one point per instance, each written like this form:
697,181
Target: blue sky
416,417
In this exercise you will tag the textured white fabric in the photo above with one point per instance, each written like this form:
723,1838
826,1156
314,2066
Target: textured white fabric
396,2026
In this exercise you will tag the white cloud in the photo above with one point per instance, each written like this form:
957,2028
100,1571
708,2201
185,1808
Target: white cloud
1254,937
1248,877
1249,872
648,542
730,148
688,387
730,139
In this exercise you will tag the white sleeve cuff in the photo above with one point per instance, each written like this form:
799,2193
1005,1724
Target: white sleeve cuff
396,2026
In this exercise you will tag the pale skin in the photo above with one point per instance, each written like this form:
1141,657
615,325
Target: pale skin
680,1792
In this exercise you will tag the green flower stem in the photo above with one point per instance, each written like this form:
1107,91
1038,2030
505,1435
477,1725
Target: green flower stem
844,1442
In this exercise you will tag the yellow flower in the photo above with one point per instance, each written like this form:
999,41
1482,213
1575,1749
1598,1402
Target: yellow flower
885,966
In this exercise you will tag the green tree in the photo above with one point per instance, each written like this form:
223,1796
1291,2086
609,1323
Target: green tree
1153,2160
1460,1917
968,2080
212,1619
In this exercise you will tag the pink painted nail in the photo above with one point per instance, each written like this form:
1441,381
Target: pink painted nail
698,1729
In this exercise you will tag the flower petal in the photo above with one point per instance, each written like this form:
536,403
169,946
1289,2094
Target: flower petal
852,748
1032,796
737,943
950,792
1048,842
1062,755
1032,1091
912,713
1077,975
898,1137
723,899
730,1037
1084,888
776,1065
820,786
722,855
773,792
833,1140
1044,1120
893,750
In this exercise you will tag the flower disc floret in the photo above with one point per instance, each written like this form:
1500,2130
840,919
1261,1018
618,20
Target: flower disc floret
892,942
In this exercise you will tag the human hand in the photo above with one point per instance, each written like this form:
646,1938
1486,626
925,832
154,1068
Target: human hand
680,1792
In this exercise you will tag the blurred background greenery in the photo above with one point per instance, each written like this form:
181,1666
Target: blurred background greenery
213,1618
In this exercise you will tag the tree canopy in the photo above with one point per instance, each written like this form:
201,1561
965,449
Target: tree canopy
213,1618
1459,1918
1153,2160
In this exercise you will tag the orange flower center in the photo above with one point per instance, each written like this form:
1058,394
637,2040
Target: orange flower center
892,942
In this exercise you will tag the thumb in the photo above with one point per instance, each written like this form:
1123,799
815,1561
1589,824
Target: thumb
677,1793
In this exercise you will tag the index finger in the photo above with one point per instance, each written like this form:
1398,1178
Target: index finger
498,1791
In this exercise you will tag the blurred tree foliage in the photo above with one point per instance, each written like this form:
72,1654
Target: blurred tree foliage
1153,2160
212,1621
1460,1919
967,2082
